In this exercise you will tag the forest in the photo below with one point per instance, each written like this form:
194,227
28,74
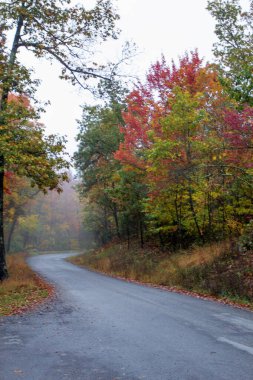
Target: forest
163,162
171,160
131,258
41,222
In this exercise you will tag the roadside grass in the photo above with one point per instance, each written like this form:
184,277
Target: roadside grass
23,289
35,252
214,270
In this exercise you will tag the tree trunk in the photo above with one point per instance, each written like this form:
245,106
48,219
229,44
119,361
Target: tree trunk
12,228
116,219
3,103
106,226
179,218
161,240
194,214
128,236
141,231
209,210
7,82
17,213
223,206
3,266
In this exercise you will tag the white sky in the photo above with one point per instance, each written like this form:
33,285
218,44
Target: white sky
170,27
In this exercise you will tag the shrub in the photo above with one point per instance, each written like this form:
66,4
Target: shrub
246,239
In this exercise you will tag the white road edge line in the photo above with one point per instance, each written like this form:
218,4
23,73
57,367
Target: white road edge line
240,346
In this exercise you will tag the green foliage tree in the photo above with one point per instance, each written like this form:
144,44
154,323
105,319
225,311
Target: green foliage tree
58,31
234,29
190,143
179,166
28,153
54,30
98,139
112,193
128,193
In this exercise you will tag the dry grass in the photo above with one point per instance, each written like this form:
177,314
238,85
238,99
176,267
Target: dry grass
169,270
23,289
144,265
214,269
201,255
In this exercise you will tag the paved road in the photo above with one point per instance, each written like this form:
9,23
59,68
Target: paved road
104,328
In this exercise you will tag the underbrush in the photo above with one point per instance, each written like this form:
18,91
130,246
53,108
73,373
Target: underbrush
214,270
23,289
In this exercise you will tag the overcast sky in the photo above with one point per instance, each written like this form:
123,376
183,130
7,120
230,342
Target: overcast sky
168,27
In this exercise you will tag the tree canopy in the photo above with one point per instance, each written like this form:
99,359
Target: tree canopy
54,30
181,170
58,31
234,29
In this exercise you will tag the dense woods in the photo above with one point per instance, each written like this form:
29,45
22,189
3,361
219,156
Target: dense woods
166,160
35,221
175,166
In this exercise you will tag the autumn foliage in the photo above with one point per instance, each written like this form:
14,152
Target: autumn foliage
184,169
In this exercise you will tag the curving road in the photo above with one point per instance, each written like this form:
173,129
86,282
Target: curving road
104,328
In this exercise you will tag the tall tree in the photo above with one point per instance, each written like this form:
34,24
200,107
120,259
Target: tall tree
28,153
98,139
188,137
234,49
57,31
54,30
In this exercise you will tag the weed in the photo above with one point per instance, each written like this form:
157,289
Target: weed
217,269
22,289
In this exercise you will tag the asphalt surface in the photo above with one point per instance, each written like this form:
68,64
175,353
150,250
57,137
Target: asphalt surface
103,328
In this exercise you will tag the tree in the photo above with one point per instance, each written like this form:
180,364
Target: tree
19,196
234,29
98,139
57,31
179,166
56,217
54,30
26,152
191,143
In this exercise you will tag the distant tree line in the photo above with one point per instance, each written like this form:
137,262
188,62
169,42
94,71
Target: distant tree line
41,222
